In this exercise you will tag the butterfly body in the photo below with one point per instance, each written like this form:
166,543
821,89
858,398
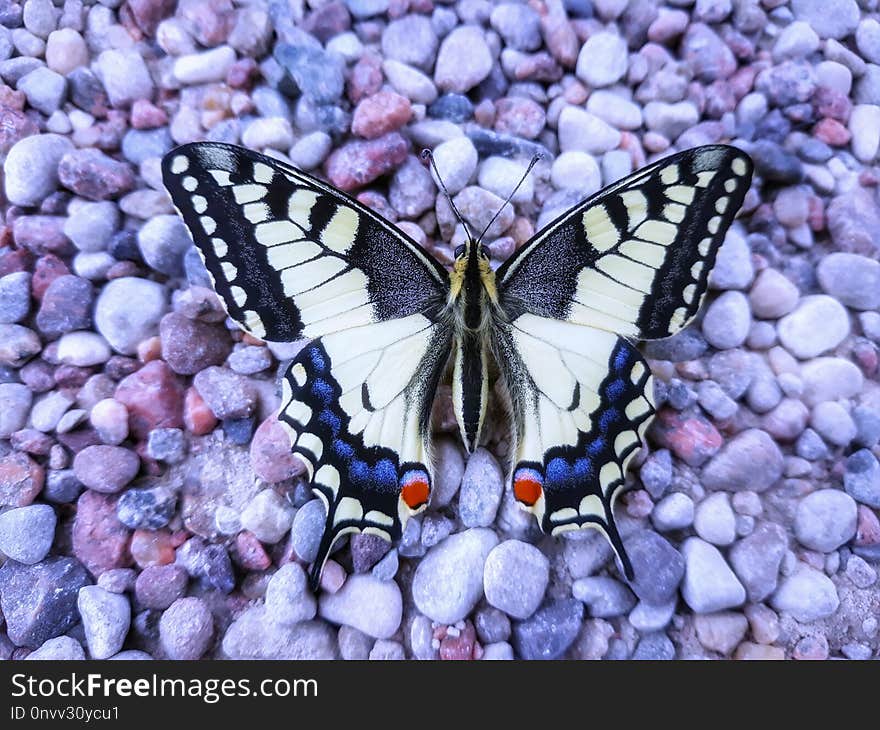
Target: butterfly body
291,257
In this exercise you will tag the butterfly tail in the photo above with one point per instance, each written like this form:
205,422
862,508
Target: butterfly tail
614,538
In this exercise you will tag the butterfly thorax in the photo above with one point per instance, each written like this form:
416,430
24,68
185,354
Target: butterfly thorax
472,297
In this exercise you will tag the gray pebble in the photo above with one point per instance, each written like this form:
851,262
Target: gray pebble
15,405
603,596
125,76
646,617
515,577
709,583
550,631
31,168
385,650
756,559
17,344
818,324
44,89
829,18
833,423
825,520
372,606
448,582
727,321
492,625
463,61
733,266
862,478
83,349
186,629
806,594
722,631
830,379
410,40
456,159
355,645
481,490
163,241
27,533
500,651
657,565
654,647
656,473
751,460
603,59
306,530
253,636
578,130
106,619
268,516
673,512
128,311
90,226
61,648
15,297
49,409
852,279
715,521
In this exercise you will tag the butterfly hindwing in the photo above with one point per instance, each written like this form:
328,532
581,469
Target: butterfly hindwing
289,255
582,399
356,405
635,258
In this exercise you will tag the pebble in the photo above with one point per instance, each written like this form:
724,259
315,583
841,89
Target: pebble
106,618
727,321
31,168
825,520
44,89
310,150
806,594
288,598
208,563
163,241
271,457
372,606
305,532
578,130
106,469
751,460
166,444
205,67
158,586
836,19
27,533
830,379
448,581
833,423
61,648
463,60
190,345
83,349
714,520
733,266
646,617
186,629
515,577
603,59
411,191
21,480
578,171
500,176
673,512
604,596
228,394
852,279
48,410
721,632
66,50
818,324
550,631
654,647
456,159
772,295
148,509
125,77
410,40
358,163
709,583
109,418
861,480
670,119
657,565
252,636
128,311
756,559
38,601
268,516
15,404
481,488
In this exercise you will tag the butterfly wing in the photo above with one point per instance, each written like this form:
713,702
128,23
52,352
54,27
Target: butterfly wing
357,405
291,256
634,260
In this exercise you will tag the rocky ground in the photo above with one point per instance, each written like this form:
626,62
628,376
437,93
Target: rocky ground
150,505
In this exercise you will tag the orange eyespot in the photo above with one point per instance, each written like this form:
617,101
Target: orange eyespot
527,489
415,492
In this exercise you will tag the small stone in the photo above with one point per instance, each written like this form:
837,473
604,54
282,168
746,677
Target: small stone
550,631
15,404
208,563
288,598
654,647
603,59
818,324
449,580
106,469
190,345
825,520
310,150
646,617
833,423
670,119
519,117
93,175
578,171
380,114
714,520
369,605
268,516
481,489
358,163
691,438
751,460
674,512
39,601
252,636
100,540
21,479
657,565
106,619
733,267
852,279
727,321
186,629
656,473
709,583
110,419
479,206
836,19
31,168
205,67
27,533
515,578
807,595
862,478
721,632
772,295
830,379
163,241
756,559
410,40
579,130
125,77
83,349
463,60
44,89
411,83
158,586
456,160
148,509
306,530
128,311
603,596
61,648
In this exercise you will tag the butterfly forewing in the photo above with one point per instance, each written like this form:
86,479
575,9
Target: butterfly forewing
291,256
633,261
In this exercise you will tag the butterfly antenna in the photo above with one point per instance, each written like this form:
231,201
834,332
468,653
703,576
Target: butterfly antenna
538,156
429,156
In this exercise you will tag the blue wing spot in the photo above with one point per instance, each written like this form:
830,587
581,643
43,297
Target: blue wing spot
615,389
358,471
583,468
621,359
386,473
318,361
596,446
343,449
331,420
557,470
323,390
607,419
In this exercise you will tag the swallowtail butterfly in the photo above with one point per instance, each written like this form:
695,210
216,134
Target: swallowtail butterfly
292,257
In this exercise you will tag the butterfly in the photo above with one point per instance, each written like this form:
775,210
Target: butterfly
292,257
